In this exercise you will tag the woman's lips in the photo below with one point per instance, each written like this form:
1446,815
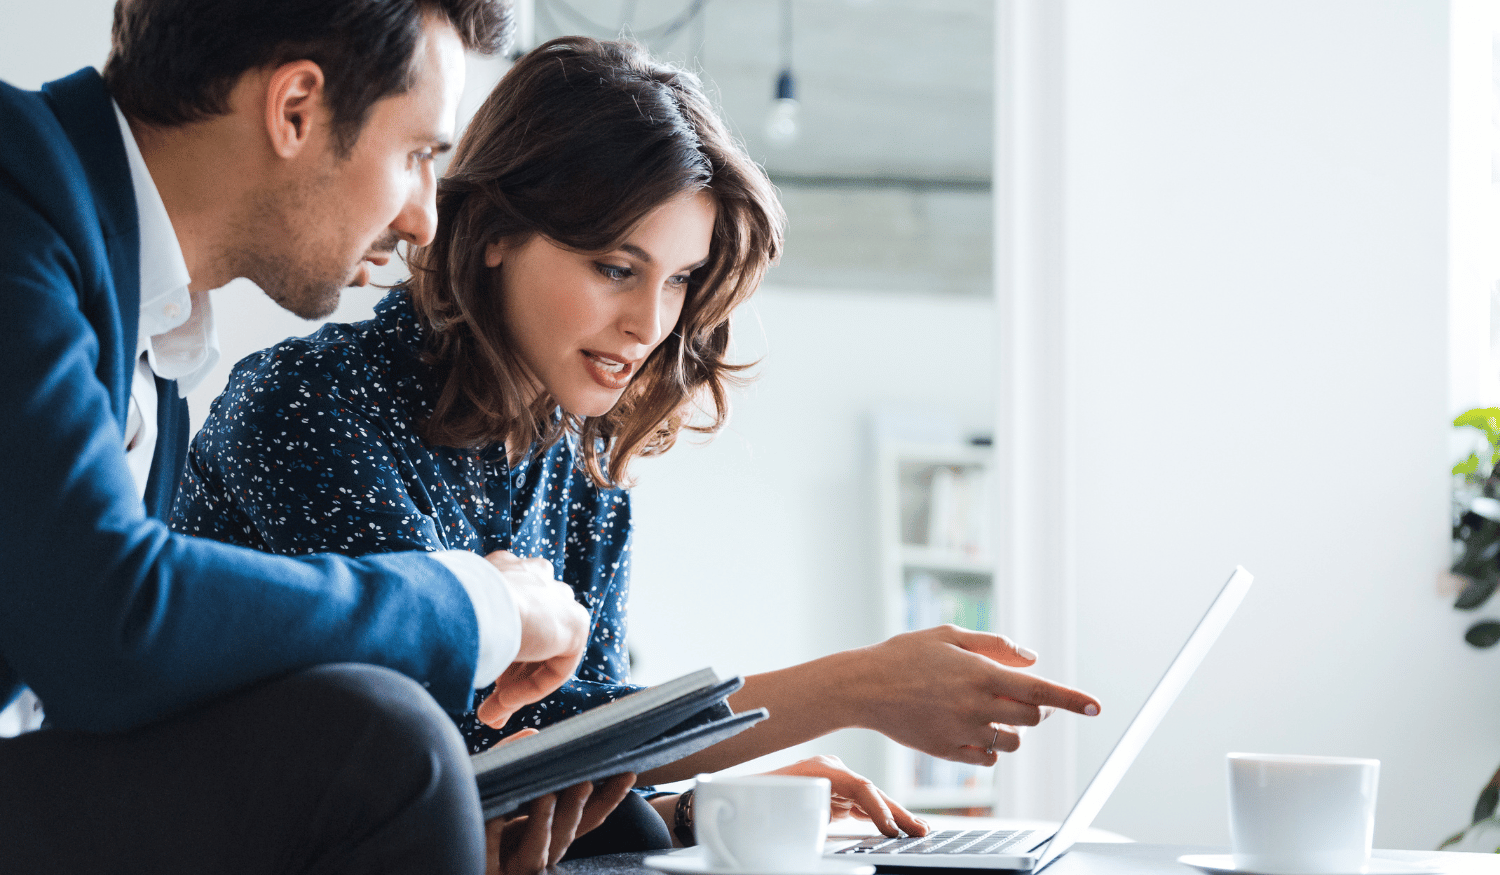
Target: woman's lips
611,373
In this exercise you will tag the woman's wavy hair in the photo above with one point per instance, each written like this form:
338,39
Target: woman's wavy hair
578,142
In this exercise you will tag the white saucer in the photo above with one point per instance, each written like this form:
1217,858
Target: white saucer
1223,864
693,864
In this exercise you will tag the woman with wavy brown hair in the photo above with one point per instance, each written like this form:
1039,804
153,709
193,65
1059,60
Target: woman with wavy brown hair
596,230
581,142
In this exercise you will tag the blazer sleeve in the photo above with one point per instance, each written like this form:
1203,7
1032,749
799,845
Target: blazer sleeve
111,618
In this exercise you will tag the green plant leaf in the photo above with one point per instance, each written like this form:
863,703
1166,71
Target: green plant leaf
1480,537
1485,634
1480,559
1485,807
1486,419
1477,592
1468,466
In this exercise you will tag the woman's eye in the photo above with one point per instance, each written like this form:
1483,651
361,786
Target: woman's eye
612,271
681,280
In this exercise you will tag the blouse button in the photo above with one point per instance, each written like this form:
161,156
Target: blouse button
170,311
520,479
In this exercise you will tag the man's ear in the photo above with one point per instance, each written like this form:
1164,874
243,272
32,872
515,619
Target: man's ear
294,106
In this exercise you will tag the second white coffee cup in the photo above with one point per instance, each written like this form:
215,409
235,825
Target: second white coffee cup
761,823
1301,815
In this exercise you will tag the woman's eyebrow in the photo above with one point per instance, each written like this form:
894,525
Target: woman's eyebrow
638,252
645,256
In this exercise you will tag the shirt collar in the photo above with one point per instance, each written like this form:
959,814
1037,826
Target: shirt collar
177,331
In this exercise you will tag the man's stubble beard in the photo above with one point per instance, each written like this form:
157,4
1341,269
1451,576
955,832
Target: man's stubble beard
302,298
292,276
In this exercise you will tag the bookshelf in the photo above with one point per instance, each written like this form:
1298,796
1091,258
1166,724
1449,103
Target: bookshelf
935,534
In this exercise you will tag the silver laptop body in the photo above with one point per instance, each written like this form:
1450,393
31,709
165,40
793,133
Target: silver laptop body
1031,850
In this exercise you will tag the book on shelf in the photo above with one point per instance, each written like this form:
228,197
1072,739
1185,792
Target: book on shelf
930,602
958,510
943,511
638,732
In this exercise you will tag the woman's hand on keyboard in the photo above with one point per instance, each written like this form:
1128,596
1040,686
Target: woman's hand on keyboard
856,796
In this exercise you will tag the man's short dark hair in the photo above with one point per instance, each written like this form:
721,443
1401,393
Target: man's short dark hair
172,62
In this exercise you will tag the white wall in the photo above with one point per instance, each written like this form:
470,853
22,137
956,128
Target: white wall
1255,253
40,42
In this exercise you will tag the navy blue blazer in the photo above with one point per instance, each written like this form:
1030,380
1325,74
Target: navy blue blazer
110,617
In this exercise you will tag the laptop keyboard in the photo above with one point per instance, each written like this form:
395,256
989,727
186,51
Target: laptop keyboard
951,841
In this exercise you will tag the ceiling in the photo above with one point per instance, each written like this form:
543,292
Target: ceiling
887,182
887,88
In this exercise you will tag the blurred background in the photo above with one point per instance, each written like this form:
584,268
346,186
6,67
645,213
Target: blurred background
1211,280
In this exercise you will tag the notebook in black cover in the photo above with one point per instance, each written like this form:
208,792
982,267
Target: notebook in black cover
635,733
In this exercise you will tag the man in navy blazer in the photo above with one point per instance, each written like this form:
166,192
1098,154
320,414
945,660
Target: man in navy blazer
209,708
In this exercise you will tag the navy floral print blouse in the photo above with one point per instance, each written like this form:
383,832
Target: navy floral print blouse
313,448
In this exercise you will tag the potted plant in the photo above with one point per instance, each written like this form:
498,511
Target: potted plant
1476,547
1476,523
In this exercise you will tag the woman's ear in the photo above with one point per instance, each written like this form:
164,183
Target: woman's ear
494,254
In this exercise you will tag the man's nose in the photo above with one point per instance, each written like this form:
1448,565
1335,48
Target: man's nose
417,221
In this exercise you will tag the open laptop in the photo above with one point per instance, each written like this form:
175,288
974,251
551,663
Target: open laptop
1032,850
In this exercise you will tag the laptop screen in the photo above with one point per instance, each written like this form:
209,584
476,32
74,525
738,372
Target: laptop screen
1146,719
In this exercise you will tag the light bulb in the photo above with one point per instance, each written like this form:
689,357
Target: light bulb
782,122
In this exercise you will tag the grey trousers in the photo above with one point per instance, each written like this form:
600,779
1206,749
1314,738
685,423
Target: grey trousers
336,769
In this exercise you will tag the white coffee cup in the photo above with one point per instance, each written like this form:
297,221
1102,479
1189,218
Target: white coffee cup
761,823
1301,815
